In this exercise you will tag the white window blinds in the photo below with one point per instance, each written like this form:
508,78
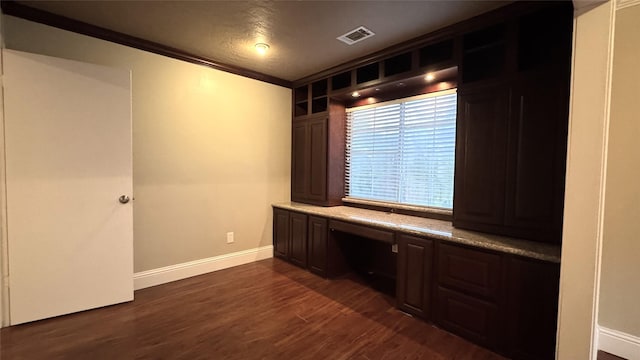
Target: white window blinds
403,151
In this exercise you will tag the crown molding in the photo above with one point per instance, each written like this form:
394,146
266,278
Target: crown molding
621,4
44,17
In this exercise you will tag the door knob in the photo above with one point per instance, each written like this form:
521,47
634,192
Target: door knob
123,199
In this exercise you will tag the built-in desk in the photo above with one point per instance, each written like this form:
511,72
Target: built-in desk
501,293
435,229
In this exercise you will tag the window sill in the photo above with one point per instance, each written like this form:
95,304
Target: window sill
421,211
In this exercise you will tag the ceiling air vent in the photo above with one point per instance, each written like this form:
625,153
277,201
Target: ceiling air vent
356,35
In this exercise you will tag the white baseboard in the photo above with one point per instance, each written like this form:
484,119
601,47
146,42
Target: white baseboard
618,343
171,273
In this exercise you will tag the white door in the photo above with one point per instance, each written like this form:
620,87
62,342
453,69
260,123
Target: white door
68,160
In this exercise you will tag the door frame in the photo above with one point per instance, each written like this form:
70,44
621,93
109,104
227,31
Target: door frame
4,255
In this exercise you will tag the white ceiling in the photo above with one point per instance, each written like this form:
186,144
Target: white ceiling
302,34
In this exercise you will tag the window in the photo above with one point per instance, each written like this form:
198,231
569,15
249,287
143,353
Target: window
403,151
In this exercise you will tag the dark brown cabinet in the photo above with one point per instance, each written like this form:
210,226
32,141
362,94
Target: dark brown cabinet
298,239
309,162
281,233
290,236
512,124
317,242
481,141
415,266
536,160
469,293
317,158
473,318
510,158
472,271
532,308
505,302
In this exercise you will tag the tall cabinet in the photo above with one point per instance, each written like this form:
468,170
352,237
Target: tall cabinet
512,126
317,142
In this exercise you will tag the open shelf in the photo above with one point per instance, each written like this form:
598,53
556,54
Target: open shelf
367,73
397,64
301,93
319,88
484,53
319,104
543,37
436,53
341,81
301,108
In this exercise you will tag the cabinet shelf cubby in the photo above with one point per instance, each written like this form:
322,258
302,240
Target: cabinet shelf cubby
341,81
368,73
397,64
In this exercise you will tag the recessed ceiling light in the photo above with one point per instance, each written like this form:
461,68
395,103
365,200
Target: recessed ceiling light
262,48
429,77
355,94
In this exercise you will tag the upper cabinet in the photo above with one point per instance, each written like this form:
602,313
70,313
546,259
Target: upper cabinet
317,157
535,41
311,99
481,143
512,126
510,158
484,53
512,70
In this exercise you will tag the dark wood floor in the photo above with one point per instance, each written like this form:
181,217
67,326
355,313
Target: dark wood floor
606,356
264,310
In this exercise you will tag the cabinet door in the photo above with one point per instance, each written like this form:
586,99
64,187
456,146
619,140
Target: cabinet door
317,260
471,271
536,160
317,161
415,266
298,239
532,308
469,317
281,233
299,160
480,156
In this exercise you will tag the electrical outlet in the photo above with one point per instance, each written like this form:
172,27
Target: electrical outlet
394,248
230,237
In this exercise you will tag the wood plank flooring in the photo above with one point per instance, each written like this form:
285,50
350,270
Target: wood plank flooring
264,310
606,356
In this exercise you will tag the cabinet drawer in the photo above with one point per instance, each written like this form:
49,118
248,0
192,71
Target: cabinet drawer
362,230
470,271
474,319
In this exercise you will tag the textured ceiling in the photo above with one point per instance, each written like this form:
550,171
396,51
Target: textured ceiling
302,34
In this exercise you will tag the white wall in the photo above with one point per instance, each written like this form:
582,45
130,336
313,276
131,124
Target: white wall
583,211
619,308
211,150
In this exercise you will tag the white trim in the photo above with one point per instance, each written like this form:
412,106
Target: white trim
4,254
603,175
618,343
621,4
171,273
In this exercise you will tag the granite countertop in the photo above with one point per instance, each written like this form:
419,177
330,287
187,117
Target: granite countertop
438,229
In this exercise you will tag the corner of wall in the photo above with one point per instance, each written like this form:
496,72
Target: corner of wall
618,343
585,182
4,269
